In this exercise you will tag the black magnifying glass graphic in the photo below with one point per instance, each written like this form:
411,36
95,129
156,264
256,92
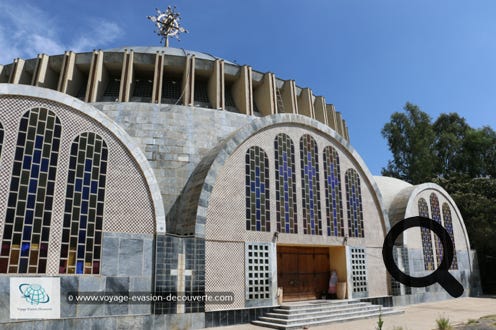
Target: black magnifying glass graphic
441,275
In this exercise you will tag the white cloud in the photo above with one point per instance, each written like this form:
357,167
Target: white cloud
100,33
26,31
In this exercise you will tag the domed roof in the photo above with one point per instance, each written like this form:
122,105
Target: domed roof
168,51
390,188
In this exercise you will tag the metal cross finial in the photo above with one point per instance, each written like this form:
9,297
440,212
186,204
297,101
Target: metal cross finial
167,24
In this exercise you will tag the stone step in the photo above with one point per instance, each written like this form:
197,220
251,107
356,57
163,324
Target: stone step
342,318
316,303
312,318
317,308
323,312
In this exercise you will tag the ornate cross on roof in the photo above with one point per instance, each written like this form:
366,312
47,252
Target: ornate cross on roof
167,24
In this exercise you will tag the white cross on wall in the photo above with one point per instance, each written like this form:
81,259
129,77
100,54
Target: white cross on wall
181,272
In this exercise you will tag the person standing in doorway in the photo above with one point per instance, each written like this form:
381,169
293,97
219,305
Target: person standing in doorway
333,280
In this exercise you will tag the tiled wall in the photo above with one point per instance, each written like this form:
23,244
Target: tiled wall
168,252
127,267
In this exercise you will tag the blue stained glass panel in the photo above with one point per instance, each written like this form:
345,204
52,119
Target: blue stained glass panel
91,189
354,200
312,222
257,190
80,267
39,142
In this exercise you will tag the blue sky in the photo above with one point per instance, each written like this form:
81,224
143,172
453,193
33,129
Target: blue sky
368,58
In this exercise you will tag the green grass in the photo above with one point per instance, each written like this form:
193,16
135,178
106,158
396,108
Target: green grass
443,323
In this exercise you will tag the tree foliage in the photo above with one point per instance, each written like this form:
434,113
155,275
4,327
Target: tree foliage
410,138
475,197
423,150
459,158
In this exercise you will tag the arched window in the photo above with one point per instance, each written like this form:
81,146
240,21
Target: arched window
309,157
29,209
285,185
257,190
354,204
334,204
448,224
436,216
426,237
83,216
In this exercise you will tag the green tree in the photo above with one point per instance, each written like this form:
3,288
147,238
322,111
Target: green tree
475,198
479,153
450,132
410,138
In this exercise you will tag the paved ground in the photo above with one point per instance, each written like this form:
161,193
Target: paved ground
416,317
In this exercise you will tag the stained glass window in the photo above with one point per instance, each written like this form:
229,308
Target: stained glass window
257,190
436,216
354,204
426,237
29,208
83,216
448,224
309,157
285,185
334,205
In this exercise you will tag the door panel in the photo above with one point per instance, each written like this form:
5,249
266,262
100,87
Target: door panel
303,272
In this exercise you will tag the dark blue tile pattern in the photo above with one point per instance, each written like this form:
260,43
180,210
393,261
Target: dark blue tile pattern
29,207
167,253
83,218
309,157
334,203
286,209
354,203
257,190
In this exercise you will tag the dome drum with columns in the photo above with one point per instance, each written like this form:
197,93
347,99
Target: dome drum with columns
147,169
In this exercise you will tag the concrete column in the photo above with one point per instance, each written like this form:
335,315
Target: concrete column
127,74
16,72
331,116
216,86
320,109
265,95
189,81
3,78
96,78
305,103
43,75
67,73
158,78
339,124
345,131
289,99
242,91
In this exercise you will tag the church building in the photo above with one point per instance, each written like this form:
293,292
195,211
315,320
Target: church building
175,172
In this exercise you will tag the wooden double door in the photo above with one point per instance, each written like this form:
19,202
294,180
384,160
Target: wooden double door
302,272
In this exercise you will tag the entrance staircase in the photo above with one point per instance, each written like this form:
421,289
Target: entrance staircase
318,312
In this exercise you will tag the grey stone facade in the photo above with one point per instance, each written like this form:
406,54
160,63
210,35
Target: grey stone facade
173,138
